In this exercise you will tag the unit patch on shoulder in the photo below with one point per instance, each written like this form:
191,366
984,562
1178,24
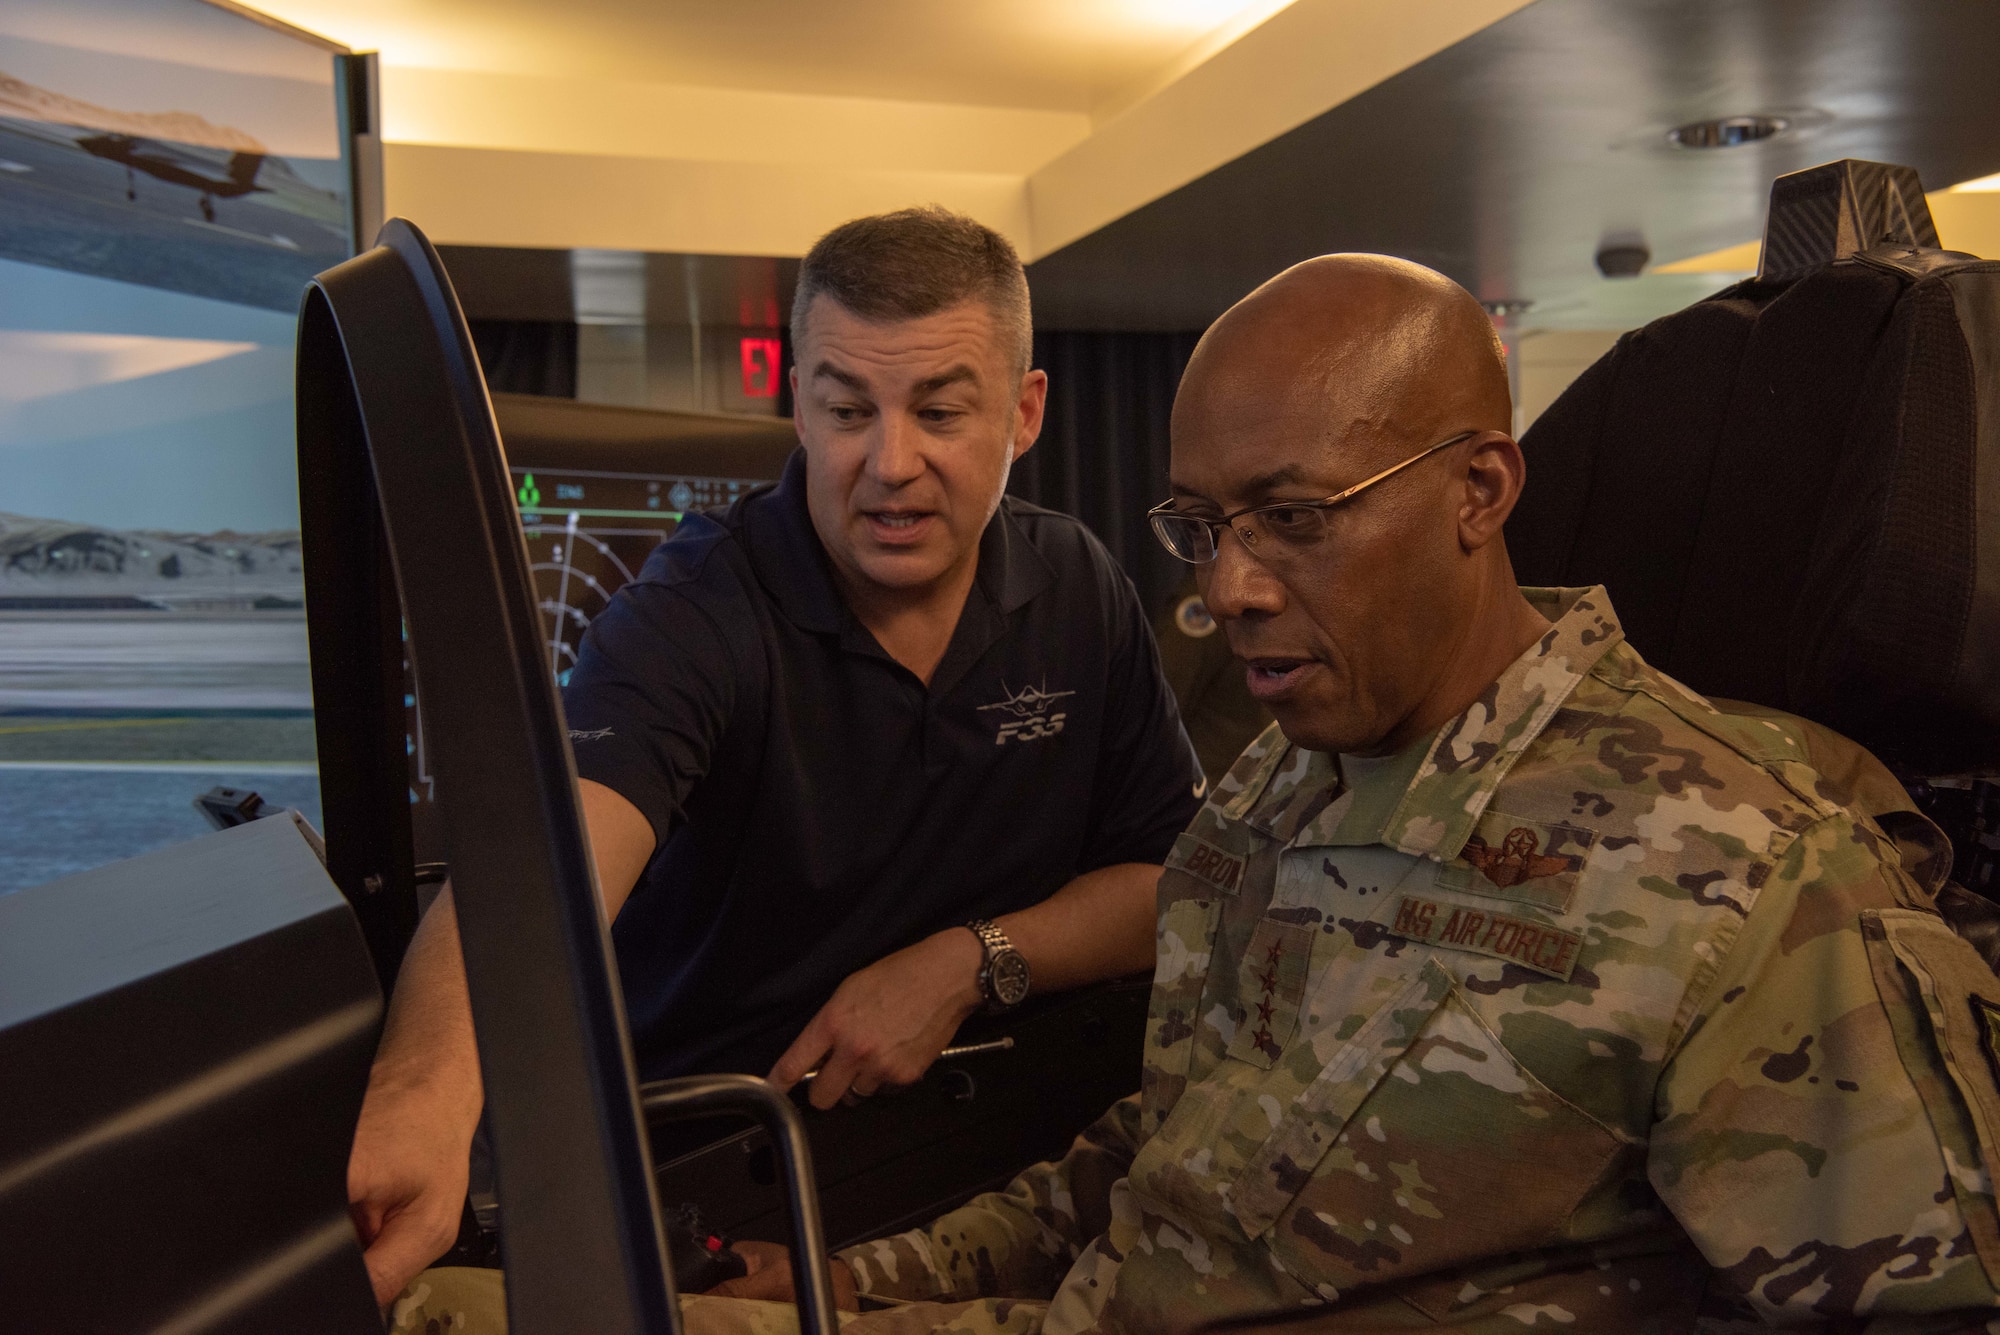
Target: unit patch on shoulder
1199,858
1532,945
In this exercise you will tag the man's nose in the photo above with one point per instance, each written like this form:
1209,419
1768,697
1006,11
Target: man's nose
1237,584
898,457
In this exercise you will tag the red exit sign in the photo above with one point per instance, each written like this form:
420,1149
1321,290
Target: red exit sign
762,359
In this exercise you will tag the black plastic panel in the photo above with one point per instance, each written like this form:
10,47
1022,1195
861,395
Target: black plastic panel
185,1038
389,388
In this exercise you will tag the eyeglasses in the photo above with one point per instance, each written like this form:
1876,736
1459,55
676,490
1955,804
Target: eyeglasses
1273,529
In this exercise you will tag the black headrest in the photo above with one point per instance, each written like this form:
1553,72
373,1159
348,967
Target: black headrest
1837,209
1792,489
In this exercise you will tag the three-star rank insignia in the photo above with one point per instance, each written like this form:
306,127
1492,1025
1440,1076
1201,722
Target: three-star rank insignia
1271,980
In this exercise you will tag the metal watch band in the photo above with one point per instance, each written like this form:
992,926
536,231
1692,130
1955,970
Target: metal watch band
995,943
990,936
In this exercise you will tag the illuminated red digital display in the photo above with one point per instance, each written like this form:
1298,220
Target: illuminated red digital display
762,358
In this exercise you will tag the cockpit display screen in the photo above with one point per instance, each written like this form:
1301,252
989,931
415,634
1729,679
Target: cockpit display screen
589,531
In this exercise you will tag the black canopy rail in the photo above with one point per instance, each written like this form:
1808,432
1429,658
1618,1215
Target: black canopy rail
409,522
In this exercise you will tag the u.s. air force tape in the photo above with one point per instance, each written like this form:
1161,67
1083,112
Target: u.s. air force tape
1531,945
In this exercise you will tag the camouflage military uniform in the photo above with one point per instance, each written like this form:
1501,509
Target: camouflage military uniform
1594,1011
1599,1010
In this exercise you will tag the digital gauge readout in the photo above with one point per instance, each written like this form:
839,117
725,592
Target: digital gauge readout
589,532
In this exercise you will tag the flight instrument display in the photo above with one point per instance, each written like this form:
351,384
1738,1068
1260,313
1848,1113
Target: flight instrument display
588,532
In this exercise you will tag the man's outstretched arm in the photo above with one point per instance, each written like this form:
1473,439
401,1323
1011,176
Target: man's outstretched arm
887,1023
406,1175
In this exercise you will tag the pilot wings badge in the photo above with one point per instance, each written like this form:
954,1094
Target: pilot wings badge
1025,715
1517,859
1525,860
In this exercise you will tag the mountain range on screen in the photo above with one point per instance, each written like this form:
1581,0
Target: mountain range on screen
30,101
58,561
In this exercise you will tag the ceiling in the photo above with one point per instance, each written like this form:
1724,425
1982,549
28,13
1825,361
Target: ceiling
1156,159
1055,55
1509,158
749,128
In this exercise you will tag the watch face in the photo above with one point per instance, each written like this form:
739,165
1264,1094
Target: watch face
1010,977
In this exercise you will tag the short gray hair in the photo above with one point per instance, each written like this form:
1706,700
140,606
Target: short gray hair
917,262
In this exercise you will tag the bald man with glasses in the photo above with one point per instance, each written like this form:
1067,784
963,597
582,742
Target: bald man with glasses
1504,983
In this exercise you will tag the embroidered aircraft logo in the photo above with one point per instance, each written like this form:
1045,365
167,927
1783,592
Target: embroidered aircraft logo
1031,719
1517,859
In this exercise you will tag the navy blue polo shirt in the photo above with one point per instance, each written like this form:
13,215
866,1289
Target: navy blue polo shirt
817,806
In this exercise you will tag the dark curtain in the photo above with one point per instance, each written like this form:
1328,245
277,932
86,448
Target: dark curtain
1103,452
527,356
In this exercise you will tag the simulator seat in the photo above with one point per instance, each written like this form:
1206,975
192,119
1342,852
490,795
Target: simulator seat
1792,492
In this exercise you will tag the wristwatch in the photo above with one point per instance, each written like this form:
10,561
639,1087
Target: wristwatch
1003,978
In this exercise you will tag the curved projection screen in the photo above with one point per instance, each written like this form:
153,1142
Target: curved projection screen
171,175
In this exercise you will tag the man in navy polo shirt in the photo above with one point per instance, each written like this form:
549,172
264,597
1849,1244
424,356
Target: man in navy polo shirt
873,749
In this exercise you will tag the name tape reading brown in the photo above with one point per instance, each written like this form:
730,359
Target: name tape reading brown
1221,870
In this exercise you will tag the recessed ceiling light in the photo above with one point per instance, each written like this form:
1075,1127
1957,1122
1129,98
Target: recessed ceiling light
1728,132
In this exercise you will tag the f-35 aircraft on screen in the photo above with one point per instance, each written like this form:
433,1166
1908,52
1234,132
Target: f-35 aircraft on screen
212,172
229,220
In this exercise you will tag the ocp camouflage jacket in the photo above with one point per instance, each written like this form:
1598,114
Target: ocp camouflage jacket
1599,1010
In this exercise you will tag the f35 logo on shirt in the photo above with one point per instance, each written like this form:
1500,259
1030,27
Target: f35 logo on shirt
1025,715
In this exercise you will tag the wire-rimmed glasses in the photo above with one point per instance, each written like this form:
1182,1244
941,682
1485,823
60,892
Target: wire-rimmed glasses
1271,529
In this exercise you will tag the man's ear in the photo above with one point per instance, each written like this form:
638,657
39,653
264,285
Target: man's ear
1494,475
1029,406
797,416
